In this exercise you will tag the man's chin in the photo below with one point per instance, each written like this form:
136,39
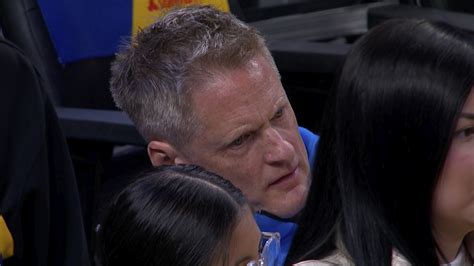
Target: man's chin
286,212
285,205
292,206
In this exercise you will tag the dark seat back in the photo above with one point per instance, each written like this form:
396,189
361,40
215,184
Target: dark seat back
23,25
38,193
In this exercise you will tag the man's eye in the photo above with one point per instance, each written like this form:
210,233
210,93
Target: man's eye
240,140
465,134
278,114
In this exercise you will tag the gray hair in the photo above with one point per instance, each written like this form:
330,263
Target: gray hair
154,76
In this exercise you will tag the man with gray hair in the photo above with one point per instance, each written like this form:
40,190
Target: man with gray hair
202,87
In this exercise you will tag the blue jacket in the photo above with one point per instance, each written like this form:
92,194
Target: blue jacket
287,229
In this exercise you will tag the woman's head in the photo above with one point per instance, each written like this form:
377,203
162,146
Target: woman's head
398,101
386,137
179,215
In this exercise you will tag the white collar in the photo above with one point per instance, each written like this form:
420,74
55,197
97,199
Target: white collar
459,259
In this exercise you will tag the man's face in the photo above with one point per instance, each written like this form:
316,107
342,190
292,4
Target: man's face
249,135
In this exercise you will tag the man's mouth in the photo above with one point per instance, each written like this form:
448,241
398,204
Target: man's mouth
286,179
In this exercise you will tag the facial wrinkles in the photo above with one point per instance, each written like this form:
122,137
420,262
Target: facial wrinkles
264,136
264,110
250,110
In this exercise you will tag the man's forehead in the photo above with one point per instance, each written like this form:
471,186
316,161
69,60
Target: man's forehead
236,102
239,82
230,97
210,74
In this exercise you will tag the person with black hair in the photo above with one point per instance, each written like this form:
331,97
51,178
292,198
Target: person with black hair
394,173
183,215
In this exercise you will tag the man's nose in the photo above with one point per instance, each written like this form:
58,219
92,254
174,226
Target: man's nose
278,150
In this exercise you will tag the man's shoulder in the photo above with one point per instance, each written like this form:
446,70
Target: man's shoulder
285,228
270,224
307,135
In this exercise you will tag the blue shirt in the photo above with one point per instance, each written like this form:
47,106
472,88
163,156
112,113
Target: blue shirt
286,229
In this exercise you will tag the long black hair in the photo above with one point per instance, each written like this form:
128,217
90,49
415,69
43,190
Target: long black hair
384,141
172,215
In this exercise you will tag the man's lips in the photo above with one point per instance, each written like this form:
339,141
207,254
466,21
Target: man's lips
285,178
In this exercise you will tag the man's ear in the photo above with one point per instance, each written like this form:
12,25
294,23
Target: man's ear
163,153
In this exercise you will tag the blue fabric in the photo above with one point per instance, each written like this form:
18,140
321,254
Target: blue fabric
286,229
87,28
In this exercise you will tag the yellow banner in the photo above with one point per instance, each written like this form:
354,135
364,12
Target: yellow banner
6,240
146,12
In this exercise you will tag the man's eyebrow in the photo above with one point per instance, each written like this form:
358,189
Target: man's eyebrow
467,115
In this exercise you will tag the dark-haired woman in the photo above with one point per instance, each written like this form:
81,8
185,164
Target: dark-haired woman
394,175
183,215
